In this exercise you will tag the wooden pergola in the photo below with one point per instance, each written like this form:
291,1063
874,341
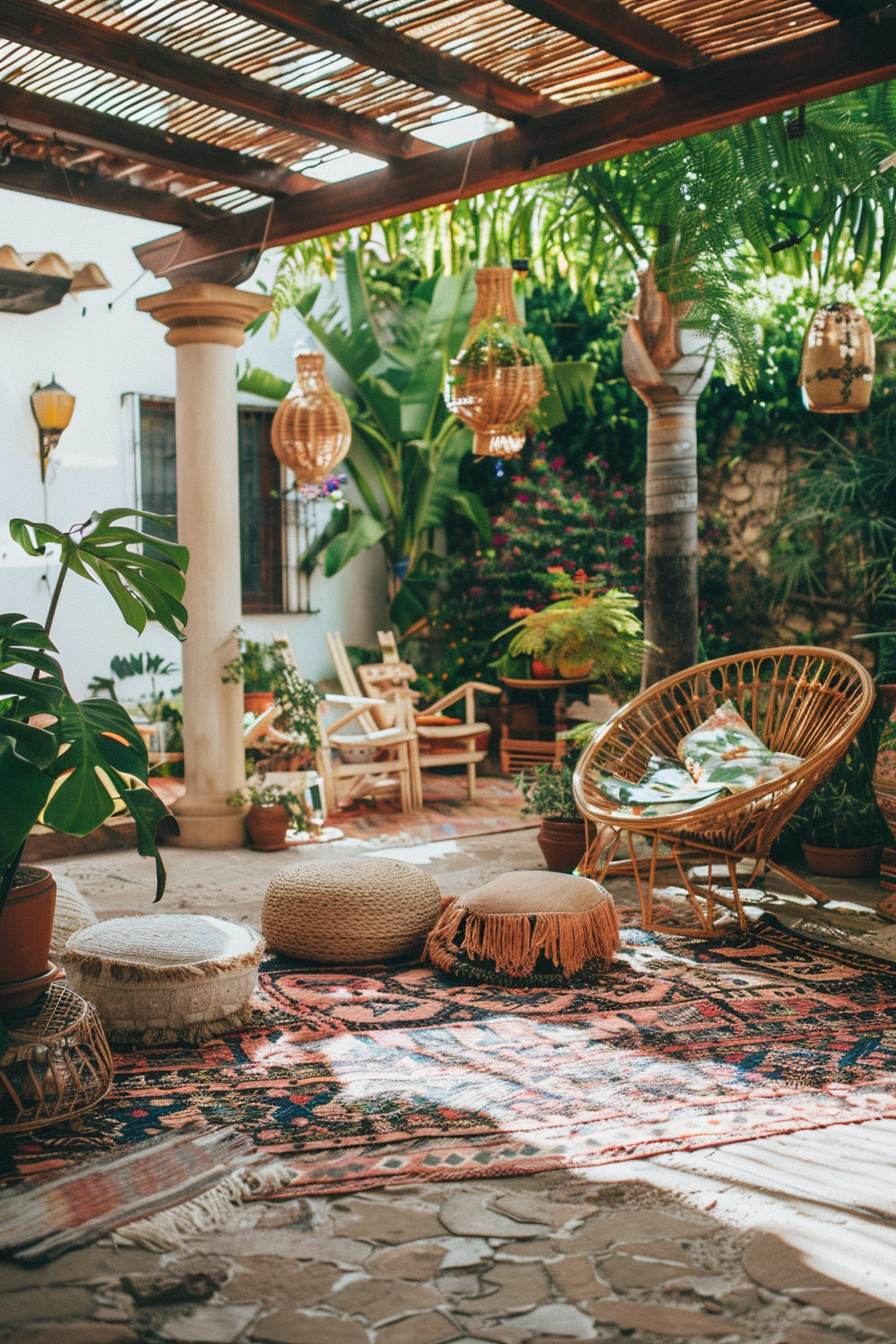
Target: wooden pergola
221,117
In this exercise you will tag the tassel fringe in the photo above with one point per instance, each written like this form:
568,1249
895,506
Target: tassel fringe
173,1229
514,943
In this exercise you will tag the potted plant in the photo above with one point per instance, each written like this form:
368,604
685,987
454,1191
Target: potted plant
69,764
296,737
254,668
585,632
839,826
547,793
271,812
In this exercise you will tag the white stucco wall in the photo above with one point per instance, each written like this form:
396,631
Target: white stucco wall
99,355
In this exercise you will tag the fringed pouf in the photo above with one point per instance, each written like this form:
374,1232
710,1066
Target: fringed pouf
531,928
354,913
162,979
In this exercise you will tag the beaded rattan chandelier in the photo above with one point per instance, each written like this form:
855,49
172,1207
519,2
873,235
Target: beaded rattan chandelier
311,432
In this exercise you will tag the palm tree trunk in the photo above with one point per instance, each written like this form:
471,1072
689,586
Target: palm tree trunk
668,367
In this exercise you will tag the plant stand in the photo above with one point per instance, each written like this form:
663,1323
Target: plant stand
57,1064
520,753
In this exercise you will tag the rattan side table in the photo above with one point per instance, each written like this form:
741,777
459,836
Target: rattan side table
57,1063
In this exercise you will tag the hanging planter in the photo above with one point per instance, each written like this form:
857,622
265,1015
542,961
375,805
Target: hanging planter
311,432
837,368
495,382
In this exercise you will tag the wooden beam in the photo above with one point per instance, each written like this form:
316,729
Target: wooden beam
335,27
831,61
37,115
48,28
102,193
609,26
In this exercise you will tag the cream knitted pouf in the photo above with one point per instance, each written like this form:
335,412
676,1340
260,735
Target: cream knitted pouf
72,913
363,911
159,979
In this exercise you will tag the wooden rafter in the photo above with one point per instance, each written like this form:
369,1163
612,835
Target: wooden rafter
608,25
48,28
335,27
102,193
36,114
828,62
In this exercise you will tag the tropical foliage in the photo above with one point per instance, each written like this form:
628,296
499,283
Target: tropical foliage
407,449
80,762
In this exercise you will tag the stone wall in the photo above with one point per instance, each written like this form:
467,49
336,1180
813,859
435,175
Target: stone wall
744,493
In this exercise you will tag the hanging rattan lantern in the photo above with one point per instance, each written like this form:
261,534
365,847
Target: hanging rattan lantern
495,381
837,369
311,432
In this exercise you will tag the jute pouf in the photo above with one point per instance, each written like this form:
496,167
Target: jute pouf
159,979
354,913
532,928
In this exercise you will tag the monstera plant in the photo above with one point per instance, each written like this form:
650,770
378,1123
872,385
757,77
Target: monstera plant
71,764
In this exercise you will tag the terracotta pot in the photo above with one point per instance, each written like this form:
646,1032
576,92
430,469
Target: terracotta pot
26,930
267,827
563,844
542,671
256,702
573,671
862,862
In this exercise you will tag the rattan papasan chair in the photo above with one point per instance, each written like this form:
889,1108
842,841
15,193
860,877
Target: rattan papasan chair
809,702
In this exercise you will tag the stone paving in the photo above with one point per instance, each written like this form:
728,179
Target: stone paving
787,1241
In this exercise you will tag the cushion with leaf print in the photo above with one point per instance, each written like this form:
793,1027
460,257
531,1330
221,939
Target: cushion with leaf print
724,751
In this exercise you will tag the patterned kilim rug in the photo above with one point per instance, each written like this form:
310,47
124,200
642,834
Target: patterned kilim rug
366,1078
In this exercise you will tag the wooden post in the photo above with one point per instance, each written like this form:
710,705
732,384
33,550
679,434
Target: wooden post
668,367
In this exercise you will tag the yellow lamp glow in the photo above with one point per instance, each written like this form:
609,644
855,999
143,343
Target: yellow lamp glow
52,408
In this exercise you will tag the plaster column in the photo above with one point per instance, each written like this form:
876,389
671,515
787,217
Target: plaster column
668,367
206,324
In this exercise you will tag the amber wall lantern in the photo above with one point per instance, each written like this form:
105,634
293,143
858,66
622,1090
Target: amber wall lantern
837,368
495,382
311,432
52,408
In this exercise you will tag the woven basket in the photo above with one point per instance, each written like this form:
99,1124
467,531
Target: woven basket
492,402
57,1064
311,432
160,979
351,913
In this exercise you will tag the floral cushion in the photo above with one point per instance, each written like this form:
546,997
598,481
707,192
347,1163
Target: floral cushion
720,757
725,750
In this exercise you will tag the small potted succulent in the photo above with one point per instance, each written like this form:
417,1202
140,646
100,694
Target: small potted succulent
272,811
584,633
71,765
254,668
547,793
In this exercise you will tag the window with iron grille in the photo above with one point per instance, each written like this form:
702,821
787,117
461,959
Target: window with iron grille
151,422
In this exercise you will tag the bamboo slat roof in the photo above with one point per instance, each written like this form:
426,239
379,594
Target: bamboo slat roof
215,116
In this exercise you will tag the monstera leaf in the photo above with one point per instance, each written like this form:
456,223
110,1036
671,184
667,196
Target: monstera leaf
143,586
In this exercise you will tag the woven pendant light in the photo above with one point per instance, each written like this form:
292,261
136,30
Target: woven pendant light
494,383
311,432
837,368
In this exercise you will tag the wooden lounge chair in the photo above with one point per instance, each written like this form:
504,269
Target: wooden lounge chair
809,702
439,744
384,764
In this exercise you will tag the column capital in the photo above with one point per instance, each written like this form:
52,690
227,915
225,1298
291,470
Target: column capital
205,314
